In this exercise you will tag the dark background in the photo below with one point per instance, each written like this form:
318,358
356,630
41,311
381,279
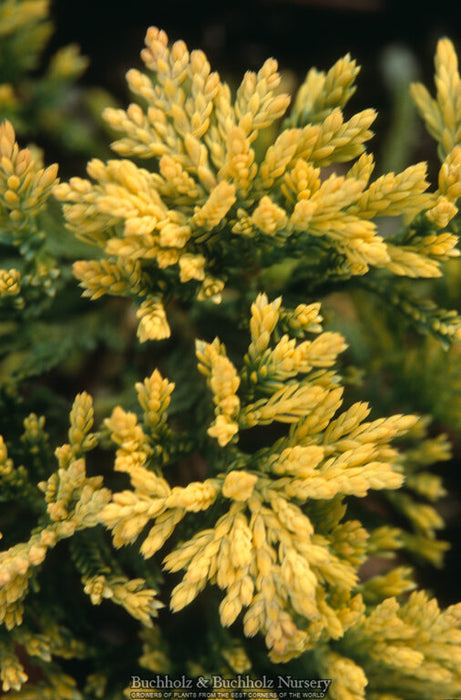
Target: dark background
240,35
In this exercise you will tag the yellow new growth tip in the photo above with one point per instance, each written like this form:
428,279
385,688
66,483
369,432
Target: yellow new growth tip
210,193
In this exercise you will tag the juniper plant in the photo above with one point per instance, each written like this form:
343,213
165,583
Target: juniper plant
241,460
